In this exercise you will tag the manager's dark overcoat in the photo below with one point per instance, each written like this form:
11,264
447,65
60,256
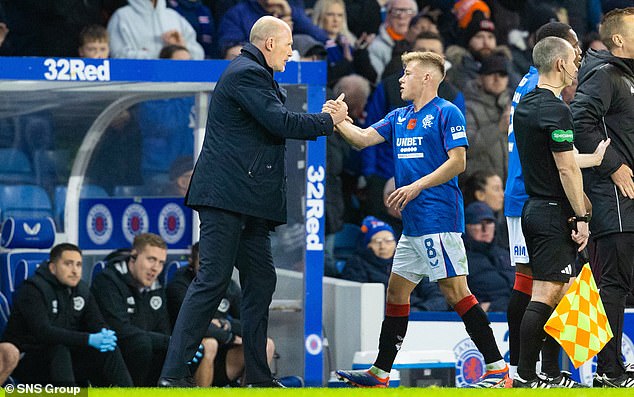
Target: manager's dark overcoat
241,167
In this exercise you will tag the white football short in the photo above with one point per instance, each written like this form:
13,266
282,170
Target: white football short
517,243
437,256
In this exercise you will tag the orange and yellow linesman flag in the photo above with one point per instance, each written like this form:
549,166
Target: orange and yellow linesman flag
579,322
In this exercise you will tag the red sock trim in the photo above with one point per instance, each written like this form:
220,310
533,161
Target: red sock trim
392,310
523,283
465,304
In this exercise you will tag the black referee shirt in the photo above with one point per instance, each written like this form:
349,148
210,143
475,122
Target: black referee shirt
542,124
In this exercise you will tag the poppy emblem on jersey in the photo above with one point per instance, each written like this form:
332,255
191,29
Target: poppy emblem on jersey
411,124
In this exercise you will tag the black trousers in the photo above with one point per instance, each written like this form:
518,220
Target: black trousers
144,360
614,255
70,366
227,239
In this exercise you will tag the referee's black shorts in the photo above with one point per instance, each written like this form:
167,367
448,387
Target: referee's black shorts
551,251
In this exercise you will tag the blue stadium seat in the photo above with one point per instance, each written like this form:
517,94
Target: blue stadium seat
87,191
51,168
96,269
347,240
16,167
5,311
170,270
24,201
23,270
26,240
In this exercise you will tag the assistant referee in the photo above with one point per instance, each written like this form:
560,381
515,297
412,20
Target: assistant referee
544,133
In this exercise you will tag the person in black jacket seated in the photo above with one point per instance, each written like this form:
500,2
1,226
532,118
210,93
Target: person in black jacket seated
57,324
223,360
373,264
491,276
134,304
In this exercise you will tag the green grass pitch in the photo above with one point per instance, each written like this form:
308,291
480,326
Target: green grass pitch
350,392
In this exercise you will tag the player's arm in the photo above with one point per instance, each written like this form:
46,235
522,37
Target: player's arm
594,159
572,182
453,166
359,137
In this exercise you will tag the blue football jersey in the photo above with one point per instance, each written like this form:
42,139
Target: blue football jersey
515,192
420,141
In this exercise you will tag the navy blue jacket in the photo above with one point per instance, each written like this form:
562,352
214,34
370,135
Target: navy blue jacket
241,167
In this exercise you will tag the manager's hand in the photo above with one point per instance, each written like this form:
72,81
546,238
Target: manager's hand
337,109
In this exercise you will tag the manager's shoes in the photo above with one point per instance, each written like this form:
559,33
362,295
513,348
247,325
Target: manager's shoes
176,382
269,383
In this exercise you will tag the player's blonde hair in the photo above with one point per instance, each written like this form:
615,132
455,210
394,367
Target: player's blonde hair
426,58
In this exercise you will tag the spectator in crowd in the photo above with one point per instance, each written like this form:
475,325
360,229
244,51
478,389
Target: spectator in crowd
364,16
343,59
94,42
57,325
4,30
372,263
180,174
523,38
377,161
421,23
199,17
238,20
464,10
390,43
488,102
133,302
490,273
223,360
167,127
143,27
478,42
486,186
604,107
305,48
9,357
592,40
356,90
47,28
231,52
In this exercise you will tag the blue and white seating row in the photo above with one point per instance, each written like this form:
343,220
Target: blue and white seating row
26,243
24,201
170,271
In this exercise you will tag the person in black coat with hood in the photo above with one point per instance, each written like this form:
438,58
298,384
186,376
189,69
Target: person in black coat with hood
373,264
134,304
239,190
57,324
603,107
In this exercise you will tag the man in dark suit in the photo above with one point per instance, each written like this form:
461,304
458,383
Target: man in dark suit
238,188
